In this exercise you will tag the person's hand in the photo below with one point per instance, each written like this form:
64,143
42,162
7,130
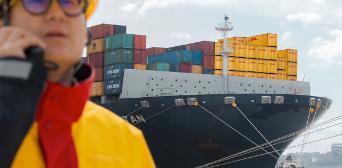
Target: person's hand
14,41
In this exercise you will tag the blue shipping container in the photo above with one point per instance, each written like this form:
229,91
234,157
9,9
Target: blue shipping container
159,67
112,86
208,71
115,71
174,57
196,57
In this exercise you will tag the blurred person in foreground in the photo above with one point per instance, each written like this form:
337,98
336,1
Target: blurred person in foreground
46,119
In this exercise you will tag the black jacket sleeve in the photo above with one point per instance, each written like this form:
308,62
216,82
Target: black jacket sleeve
22,82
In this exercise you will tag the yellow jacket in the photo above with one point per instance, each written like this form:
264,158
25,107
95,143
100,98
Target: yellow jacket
102,140
72,132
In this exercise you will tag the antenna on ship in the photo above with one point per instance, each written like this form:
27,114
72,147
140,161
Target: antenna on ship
224,28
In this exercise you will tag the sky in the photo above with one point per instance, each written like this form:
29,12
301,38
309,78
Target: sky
314,27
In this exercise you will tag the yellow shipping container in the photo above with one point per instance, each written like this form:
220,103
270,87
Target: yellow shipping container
262,53
239,51
97,89
262,66
290,55
258,53
281,63
269,40
252,52
218,49
293,78
293,55
282,75
272,76
232,45
273,53
218,72
197,69
218,62
231,63
95,46
238,40
292,68
272,66
140,66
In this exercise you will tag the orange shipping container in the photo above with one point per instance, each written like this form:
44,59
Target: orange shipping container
97,89
197,69
95,46
140,66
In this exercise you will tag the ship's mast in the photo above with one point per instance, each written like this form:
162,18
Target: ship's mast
224,29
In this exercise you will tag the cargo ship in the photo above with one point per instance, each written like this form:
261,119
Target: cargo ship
202,103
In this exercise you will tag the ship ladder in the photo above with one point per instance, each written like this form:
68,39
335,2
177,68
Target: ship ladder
255,128
238,132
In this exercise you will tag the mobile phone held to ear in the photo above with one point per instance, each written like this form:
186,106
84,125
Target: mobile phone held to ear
21,85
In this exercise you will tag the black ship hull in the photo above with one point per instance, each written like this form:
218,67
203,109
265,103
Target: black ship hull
189,136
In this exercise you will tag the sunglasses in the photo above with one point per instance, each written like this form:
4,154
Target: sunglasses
70,7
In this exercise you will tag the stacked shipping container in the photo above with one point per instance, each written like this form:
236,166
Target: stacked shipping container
256,56
122,51
111,51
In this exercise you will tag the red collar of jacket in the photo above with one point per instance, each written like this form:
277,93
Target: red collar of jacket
59,107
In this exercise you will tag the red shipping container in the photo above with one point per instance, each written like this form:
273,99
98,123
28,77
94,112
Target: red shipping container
155,51
139,41
187,68
99,74
140,57
208,62
207,47
96,59
101,31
